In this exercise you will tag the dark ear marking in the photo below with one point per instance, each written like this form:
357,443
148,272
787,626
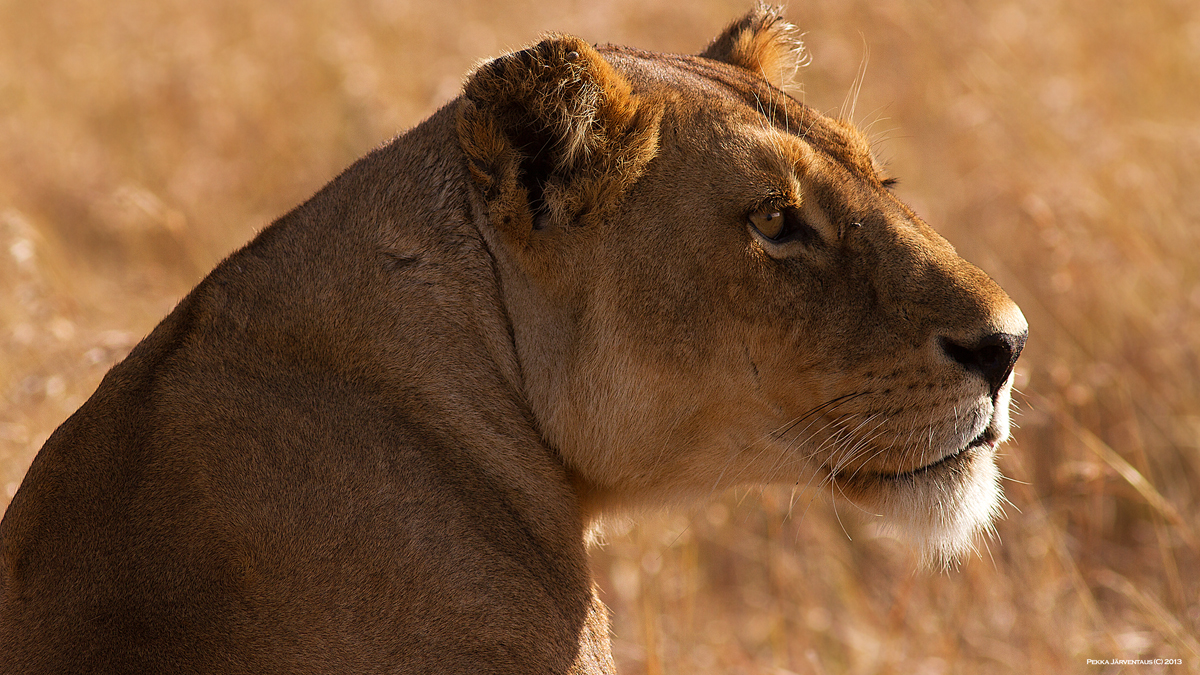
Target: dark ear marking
553,132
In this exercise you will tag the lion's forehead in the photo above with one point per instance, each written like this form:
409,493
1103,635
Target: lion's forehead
705,94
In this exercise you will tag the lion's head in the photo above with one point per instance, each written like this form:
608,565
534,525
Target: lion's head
710,283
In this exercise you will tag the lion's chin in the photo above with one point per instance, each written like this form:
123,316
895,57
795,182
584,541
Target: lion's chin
941,508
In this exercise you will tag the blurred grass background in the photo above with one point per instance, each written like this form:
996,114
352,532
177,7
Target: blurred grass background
1055,142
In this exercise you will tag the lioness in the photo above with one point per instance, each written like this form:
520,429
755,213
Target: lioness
373,440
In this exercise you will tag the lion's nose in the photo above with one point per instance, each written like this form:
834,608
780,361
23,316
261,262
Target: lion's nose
993,357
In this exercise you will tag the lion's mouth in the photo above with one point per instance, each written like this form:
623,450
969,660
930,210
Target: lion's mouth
987,438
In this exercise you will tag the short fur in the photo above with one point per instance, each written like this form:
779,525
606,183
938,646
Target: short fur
373,439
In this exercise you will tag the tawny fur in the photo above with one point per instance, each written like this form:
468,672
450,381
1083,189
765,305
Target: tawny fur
762,42
376,438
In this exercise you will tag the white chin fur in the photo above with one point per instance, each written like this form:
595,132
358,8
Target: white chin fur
942,515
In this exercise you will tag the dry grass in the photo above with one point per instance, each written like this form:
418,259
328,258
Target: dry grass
1057,143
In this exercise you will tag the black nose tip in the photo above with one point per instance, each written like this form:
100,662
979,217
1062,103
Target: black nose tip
993,357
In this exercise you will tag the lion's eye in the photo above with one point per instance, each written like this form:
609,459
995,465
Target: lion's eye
768,223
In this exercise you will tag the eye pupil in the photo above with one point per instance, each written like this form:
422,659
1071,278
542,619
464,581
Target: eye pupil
768,223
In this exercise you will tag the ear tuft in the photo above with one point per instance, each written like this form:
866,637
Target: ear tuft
554,130
761,42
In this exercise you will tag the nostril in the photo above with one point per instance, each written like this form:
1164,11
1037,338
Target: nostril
992,357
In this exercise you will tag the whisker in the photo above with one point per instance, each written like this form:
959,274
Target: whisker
781,433
851,100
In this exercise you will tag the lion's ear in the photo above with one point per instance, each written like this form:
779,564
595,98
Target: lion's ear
554,134
761,42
